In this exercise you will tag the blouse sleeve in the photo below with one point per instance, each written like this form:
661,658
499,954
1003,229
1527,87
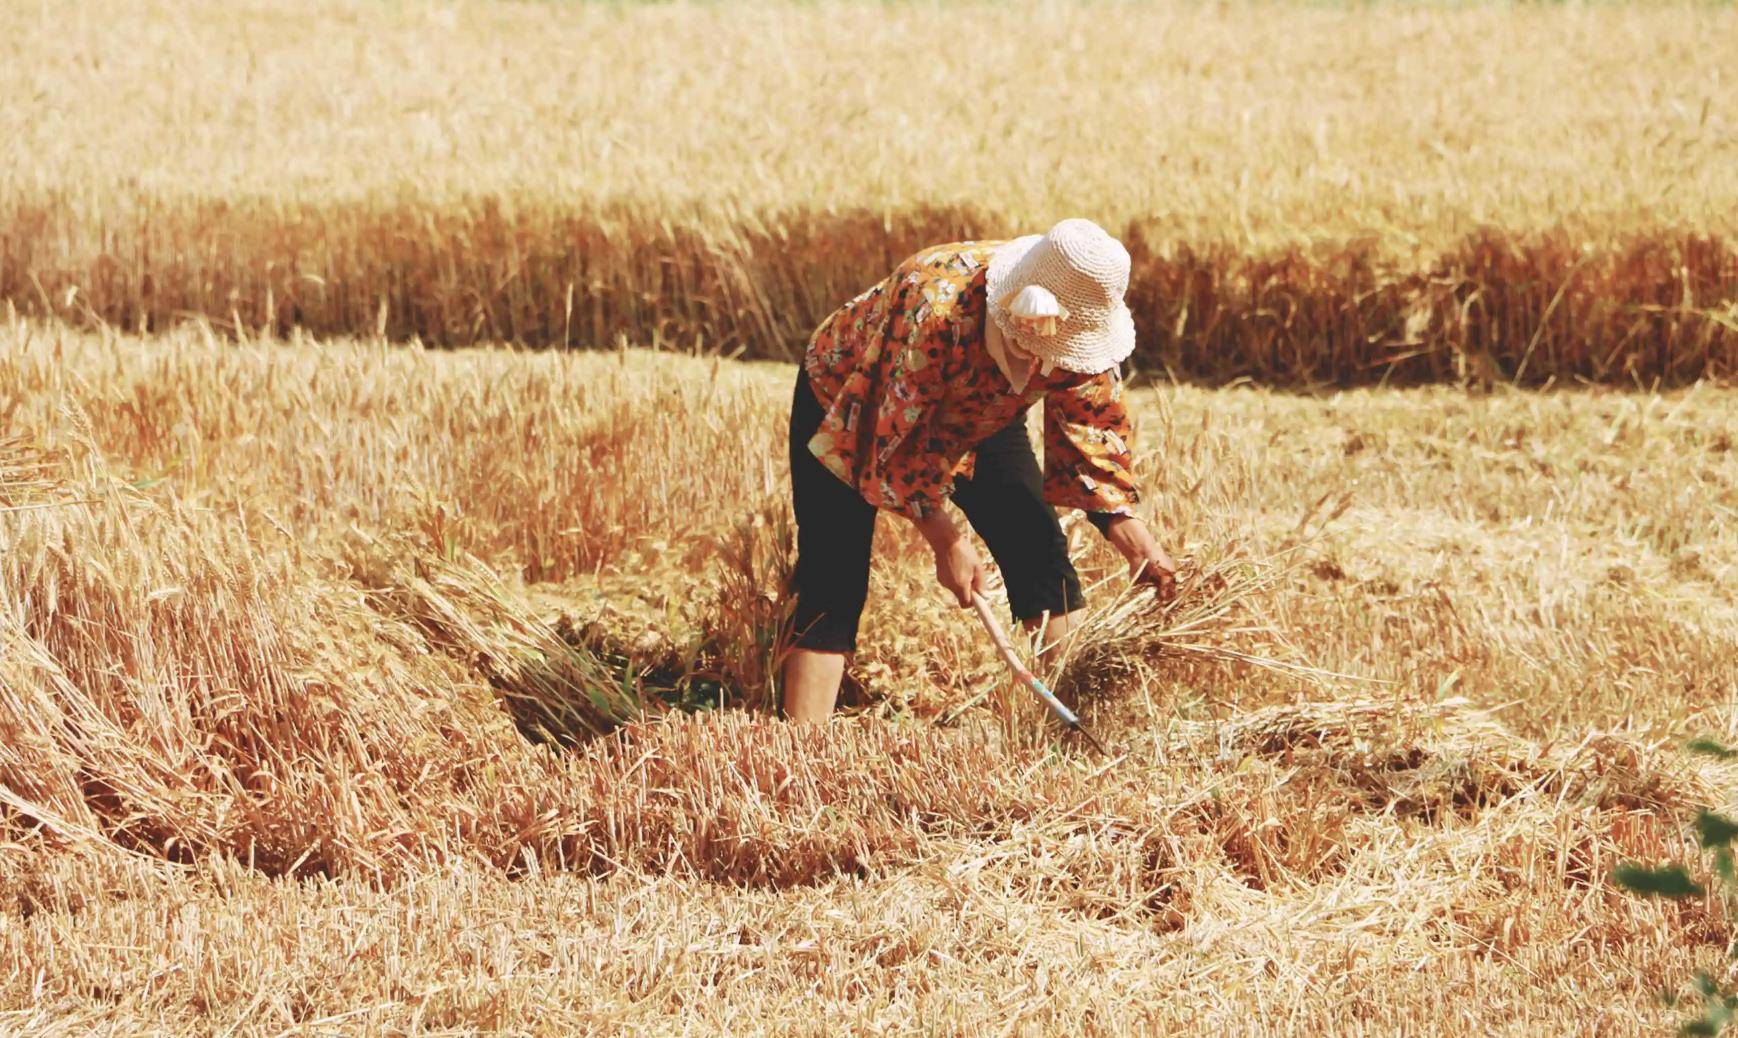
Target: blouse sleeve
876,436
1087,464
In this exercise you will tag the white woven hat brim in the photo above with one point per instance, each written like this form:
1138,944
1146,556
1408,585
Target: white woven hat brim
1087,343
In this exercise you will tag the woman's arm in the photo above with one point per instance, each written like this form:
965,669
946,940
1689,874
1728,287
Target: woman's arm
1149,563
957,565
1088,465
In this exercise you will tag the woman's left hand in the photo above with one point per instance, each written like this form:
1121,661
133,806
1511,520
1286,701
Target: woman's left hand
1149,564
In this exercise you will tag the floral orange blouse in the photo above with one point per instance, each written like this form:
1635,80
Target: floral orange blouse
910,388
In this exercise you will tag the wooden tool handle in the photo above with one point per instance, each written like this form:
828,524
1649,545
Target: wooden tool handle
1027,678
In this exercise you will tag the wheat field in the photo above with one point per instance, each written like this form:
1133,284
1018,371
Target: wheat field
1312,193
308,646
354,686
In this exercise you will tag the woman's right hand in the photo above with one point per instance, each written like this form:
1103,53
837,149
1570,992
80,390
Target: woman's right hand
957,565
959,569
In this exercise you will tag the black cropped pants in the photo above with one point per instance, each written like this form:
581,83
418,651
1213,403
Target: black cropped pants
1003,501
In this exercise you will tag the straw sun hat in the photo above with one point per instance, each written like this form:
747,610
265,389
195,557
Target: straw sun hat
1086,271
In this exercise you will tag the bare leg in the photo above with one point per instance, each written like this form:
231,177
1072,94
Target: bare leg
1056,632
811,681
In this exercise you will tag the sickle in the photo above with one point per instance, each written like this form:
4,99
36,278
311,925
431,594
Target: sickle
1027,678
